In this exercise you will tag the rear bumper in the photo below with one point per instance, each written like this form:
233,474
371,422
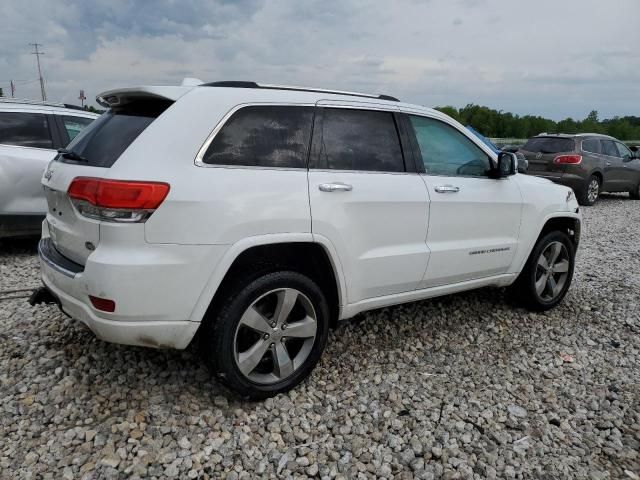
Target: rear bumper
575,182
153,293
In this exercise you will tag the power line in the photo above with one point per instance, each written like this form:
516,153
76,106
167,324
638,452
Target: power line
37,54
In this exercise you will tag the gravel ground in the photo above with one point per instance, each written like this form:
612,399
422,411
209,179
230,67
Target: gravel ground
461,387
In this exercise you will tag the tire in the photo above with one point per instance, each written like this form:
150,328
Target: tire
586,195
528,292
227,341
635,194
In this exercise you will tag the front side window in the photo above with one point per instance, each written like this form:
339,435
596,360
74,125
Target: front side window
592,145
623,150
263,136
609,148
73,125
25,130
362,140
446,151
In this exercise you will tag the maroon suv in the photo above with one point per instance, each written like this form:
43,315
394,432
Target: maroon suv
589,163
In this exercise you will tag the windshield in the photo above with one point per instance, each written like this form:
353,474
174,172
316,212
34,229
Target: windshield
549,145
104,140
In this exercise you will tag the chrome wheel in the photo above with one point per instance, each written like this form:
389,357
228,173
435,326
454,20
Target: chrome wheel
552,271
593,190
275,335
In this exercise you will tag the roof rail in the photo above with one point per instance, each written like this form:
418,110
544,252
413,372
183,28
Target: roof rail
30,102
244,84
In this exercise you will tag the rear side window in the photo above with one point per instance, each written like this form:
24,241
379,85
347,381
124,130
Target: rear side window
359,140
263,136
73,125
609,148
25,130
106,138
592,145
549,145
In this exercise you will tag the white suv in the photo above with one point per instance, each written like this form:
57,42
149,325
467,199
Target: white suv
31,132
257,216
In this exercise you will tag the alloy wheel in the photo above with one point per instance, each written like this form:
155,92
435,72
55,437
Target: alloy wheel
594,190
275,335
552,271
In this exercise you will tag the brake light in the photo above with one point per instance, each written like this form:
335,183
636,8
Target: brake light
116,200
568,160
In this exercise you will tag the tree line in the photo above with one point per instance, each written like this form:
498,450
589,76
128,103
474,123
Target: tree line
498,124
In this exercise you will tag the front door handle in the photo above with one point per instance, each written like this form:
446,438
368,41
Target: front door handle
608,164
335,187
446,189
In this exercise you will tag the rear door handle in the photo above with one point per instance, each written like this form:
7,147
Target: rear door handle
446,189
335,187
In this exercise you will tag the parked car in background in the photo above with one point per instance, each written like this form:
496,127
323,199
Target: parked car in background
523,164
258,216
587,162
31,132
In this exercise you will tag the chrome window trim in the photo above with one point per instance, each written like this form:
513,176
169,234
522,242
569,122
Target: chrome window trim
22,146
203,149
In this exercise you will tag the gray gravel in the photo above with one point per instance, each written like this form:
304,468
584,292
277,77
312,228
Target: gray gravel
461,387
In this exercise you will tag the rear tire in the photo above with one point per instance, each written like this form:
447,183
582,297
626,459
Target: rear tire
547,274
591,191
267,335
635,194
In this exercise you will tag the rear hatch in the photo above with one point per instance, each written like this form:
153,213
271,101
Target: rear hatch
91,154
541,151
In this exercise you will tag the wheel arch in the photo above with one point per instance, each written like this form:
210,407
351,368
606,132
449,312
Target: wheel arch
306,253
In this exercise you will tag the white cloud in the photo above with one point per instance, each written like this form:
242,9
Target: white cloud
551,58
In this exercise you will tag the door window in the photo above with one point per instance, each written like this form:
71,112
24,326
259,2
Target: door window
363,140
25,130
609,148
73,125
592,145
446,151
623,150
263,136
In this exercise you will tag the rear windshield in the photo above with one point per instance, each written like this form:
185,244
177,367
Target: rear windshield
104,140
549,145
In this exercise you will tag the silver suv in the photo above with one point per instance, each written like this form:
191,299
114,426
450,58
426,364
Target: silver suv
30,135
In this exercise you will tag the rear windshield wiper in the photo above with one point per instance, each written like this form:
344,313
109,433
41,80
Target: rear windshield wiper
71,155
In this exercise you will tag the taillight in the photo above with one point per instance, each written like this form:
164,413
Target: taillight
568,160
116,200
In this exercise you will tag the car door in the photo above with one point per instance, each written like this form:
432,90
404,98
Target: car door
630,173
474,220
614,177
27,143
364,200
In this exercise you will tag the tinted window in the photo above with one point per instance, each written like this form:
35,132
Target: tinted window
592,145
25,130
446,151
549,145
106,138
264,136
73,125
609,148
623,150
359,140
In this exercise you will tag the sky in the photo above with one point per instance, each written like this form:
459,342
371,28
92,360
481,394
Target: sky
555,58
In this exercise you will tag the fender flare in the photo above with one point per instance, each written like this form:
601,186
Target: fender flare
236,249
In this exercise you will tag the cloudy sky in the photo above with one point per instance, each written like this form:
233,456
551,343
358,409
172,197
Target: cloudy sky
555,58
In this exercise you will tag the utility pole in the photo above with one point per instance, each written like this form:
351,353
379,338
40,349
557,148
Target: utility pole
37,54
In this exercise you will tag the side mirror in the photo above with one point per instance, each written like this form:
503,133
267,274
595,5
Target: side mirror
507,165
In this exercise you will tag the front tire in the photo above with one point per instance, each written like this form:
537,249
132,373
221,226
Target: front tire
268,334
591,191
635,194
547,275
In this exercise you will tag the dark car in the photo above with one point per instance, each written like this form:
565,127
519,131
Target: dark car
588,163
